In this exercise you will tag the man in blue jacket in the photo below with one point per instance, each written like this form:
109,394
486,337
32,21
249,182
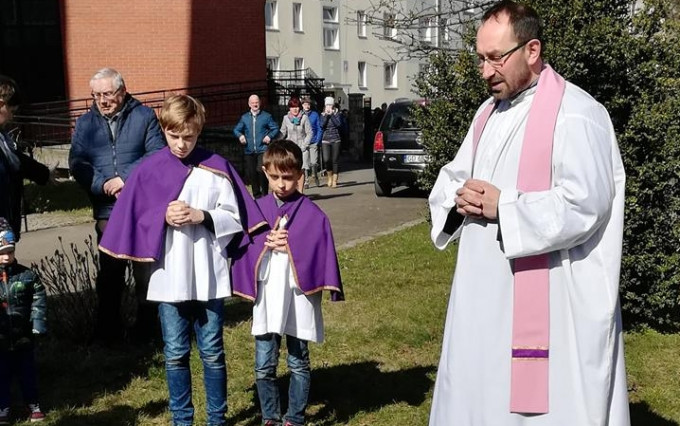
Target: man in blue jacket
255,130
108,142
317,132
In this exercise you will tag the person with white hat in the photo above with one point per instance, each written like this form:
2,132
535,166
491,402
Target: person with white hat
331,123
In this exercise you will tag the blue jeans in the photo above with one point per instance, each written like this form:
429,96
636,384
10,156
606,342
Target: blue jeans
266,360
207,319
20,363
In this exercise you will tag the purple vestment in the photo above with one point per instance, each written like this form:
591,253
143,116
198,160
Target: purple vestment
136,228
311,249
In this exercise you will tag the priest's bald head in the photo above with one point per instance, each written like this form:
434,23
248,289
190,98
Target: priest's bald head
509,48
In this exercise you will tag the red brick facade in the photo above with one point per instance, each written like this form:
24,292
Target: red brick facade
163,44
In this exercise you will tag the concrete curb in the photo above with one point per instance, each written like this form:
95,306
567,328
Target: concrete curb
355,242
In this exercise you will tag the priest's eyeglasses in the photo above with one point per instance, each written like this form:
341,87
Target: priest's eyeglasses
106,95
498,61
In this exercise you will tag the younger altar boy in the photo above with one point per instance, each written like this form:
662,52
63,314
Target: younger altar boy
284,271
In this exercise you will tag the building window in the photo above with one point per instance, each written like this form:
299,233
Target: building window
391,75
273,64
445,31
331,29
389,30
362,74
330,38
271,15
425,30
423,69
330,14
299,65
297,17
361,24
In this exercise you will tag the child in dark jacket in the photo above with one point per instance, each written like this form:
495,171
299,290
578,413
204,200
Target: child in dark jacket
22,314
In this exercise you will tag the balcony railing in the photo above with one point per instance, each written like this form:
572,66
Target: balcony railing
52,123
286,83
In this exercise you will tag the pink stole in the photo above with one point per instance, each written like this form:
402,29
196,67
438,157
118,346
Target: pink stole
531,308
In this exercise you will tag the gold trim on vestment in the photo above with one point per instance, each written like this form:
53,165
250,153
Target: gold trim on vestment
126,256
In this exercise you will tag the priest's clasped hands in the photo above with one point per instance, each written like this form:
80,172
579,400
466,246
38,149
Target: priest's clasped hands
179,214
478,199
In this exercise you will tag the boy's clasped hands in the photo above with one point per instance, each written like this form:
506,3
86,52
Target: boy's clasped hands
179,213
277,240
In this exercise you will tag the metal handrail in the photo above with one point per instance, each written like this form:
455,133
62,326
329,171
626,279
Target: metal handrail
51,123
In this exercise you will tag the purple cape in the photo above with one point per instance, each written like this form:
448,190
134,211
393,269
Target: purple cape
136,228
311,249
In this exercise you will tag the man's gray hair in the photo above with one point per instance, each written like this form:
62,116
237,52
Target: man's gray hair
115,76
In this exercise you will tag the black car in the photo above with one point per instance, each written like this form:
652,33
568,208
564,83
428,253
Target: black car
398,156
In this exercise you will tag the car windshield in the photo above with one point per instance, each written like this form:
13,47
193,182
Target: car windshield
399,117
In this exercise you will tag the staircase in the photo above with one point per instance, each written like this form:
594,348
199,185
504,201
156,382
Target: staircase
286,83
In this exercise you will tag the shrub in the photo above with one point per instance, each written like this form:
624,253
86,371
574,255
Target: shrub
69,278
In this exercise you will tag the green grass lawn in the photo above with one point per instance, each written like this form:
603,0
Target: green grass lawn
376,367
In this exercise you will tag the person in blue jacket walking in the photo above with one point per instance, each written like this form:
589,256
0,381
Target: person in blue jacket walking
317,132
255,130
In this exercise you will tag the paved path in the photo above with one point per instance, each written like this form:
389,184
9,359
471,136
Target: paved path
355,212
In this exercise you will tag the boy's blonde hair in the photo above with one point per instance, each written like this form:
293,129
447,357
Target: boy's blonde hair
283,155
182,112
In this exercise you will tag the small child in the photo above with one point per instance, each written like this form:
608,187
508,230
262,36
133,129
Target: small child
22,314
180,208
284,271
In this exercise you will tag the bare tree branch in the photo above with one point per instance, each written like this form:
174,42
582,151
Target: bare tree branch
416,29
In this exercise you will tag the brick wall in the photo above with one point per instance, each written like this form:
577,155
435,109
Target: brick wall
163,44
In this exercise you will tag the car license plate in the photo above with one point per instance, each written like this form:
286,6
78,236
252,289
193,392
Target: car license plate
414,158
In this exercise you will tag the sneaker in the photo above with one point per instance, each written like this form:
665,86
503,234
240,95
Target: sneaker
36,413
4,416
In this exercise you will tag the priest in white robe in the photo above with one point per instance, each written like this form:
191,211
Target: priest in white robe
576,377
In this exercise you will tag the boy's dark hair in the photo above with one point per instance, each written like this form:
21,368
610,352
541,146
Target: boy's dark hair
283,155
9,91
526,24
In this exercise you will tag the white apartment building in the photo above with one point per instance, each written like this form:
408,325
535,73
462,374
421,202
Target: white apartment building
351,44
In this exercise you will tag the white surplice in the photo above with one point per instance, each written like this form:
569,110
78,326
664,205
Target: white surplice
281,307
194,263
579,221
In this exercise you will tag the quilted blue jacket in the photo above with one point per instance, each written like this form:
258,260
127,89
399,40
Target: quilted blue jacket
96,156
